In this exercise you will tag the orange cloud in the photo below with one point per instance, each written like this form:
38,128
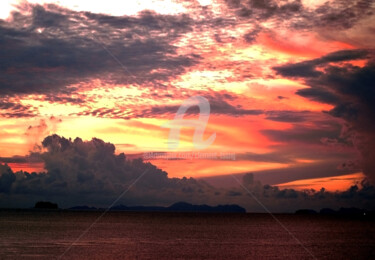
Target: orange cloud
337,183
300,45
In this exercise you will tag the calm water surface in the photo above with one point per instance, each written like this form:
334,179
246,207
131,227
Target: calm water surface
124,235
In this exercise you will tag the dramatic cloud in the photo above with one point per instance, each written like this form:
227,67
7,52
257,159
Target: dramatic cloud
350,89
308,69
292,116
268,68
305,134
46,49
337,14
35,134
89,172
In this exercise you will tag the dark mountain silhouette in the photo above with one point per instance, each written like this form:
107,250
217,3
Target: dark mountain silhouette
177,207
186,207
342,212
327,211
83,208
306,212
351,211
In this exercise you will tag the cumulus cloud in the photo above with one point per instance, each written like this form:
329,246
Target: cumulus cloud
7,178
90,172
35,133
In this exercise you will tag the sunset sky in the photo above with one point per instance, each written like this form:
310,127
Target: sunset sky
290,84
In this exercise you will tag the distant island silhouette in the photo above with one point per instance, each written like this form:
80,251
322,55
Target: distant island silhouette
45,205
188,207
342,212
177,207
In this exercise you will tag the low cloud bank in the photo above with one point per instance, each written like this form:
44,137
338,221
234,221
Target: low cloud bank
91,173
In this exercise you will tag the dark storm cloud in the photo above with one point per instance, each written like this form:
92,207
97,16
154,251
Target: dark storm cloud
347,87
308,68
350,90
303,69
45,49
89,172
319,94
352,87
6,178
